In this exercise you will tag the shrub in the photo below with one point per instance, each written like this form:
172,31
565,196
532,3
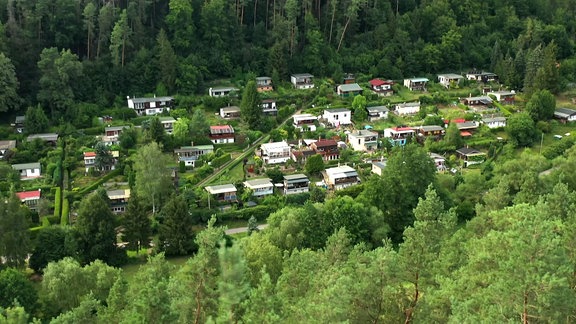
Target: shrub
65,212
259,212
221,160
57,202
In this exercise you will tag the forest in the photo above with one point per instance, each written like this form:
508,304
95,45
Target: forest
493,243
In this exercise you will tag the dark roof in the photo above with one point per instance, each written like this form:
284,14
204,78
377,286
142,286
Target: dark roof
377,109
153,99
564,112
468,151
325,143
337,110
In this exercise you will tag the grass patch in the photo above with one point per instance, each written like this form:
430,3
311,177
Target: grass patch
130,269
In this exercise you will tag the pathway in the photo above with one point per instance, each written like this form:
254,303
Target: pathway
243,229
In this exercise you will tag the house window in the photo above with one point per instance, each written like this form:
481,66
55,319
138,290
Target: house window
344,115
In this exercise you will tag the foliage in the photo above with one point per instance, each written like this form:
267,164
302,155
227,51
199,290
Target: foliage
36,121
137,224
153,182
521,129
359,105
314,164
52,243
541,105
221,160
14,236
17,290
175,235
250,107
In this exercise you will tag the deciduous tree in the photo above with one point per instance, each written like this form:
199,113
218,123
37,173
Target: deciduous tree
541,105
14,235
521,129
153,179
9,98
250,106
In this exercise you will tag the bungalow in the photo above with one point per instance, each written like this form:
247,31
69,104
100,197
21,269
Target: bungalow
114,131
269,107
478,101
276,152
264,84
226,192
302,81
222,134
470,156
50,138
260,187
378,112
337,116
6,147
305,122
363,140
381,87
378,167
222,91
466,127
168,124
349,90
449,79
118,200
565,115
301,156
505,97
295,184
190,154
439,162
328,148
28,170
150,106
340,177
434,131
230,112
496,122
483,77
399,135
416,84
30,198
19,124
407,108
90,161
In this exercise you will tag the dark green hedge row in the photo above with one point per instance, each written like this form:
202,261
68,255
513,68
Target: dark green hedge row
65,211
260,212
221,160
57,201
100,181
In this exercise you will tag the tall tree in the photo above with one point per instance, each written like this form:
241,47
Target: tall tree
14,235
106,19
90,14
120,39
167,61
521,129
180,21
58,81
9,98
17,290
137,224
359,105
176,235
97,230
52,244
153,180
36,121
155,130
541,105
104,159
250,106
453,137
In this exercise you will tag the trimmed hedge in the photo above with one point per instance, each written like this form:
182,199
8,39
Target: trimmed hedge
65,211
259,212
220,161
57,202
100,181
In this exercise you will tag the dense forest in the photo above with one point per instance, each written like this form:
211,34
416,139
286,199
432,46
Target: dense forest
493,243
69,51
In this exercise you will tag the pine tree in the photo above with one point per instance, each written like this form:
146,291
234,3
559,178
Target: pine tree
176,235
137,225
250,106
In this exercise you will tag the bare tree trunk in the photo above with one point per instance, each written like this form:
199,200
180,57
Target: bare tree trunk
332,22
267,12
343,32
255,11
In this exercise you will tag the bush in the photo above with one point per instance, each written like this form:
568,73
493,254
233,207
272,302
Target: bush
297,199
558,148
221,160
65,212
57,202
259,212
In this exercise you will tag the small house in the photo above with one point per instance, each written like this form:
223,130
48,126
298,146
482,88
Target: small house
484,101
19,124
295,184
466,127
337,116
114,131
168,124
470,156
6,147
483,77
276,152
305,122
260,187
230,112
269,107
28,170
340,177
439,162
49,138
90,161
30,198
222,134
449,79
495,122
150,106
565,115
505,97
416,84
378,167
399,135
118,200
349,90
328,148
222,91
301,156
377,113
226,192
264,84
407,108
302,81
433,131
190,154
382,87
363,140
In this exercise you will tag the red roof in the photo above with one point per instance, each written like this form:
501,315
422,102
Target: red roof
377,82
325,142
89,154
221,127
28,195
401,129
459,120
465,134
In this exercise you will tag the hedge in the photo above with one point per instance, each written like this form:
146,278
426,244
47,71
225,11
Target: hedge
220,161
260,212
65,211
57,202
100,181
